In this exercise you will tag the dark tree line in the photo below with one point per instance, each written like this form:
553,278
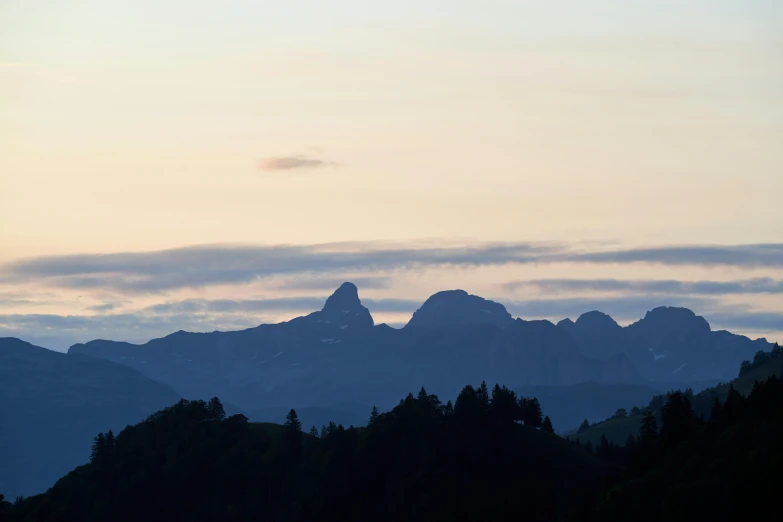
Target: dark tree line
761,357
723,468
487,455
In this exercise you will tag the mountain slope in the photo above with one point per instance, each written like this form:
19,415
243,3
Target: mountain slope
724,468
668,345
53,404
617,430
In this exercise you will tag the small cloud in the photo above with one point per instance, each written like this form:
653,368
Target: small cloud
299,161
105,307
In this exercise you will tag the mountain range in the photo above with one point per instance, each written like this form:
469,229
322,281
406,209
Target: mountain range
339,355
336,363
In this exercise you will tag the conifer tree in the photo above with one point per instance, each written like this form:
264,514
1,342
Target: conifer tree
292,421
110,444
215,409
373,415
483,394
547,426
98,448
534,416
293,433
648,433
734,406
677,420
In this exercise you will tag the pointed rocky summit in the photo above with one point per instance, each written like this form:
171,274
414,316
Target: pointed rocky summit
345,298
344,308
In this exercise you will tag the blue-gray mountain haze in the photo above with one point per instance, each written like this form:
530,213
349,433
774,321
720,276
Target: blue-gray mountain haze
336,363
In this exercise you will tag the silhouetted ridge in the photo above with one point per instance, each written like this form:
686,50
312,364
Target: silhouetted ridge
453,307
344,308
566,324
595,320
672,319
344,298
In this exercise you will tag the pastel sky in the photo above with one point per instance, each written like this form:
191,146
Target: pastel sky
206,165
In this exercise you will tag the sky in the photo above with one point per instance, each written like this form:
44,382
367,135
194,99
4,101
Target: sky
197,165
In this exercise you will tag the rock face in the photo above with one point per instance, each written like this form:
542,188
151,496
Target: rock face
343,307
455,307
53,406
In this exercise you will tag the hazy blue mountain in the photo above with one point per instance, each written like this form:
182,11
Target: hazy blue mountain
54,404
457,307
568,406
669,345
337,355
597,334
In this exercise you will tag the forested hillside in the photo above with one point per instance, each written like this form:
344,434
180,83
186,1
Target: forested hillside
726,468
487,456
627,422
475,459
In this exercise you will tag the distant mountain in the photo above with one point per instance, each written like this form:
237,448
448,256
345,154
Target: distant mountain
668,345
54,404
457,307
337,355
342,308
568,406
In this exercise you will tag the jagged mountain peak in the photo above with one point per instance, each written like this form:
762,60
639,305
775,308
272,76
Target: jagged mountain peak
344,308
452,307
346,297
